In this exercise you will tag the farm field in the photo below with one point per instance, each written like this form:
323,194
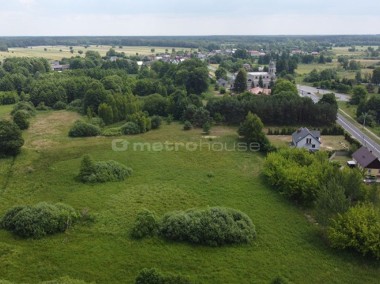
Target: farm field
58,52
287,243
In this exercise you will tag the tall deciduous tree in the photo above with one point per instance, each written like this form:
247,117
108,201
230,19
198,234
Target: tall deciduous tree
240,84
252,131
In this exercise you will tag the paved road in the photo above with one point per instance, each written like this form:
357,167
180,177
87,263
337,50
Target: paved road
359,135
319,92
310,92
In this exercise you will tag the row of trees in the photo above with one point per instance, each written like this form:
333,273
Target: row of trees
342,204
282,109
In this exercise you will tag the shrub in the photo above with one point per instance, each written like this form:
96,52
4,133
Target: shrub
59,105
206,127
145,225
39,220
11,139
169,119
97,121
83,129
358,229
28,106
130,128
149,276
91,171
156,121
76,105
42,106
141,120
187,125
116,131
21,118
8,98
154,276
213,226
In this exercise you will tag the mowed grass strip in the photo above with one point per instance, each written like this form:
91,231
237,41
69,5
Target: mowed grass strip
162,181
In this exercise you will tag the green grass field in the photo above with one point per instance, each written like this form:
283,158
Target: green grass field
58,52
287,243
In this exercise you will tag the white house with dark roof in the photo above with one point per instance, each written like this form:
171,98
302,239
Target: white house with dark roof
304,138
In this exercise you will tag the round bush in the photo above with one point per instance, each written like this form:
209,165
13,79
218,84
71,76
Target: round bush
11,139
83,129
91,171
39,220
146,224
156,121
28,106
21,118
59,105
130,128
187,125
213,226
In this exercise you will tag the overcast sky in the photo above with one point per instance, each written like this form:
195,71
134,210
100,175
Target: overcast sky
188,17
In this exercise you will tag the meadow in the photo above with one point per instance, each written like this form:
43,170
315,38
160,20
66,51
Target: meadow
287,244
58,52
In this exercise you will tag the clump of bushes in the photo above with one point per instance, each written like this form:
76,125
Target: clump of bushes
116,131
27,106
11,139
93,172
156,121
21,118
83,129
187,125
59,105
154,276
39,220
130,128
146,225
8,98
213,226
357,229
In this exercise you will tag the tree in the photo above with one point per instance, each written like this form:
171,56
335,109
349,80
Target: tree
261,83
252,131
105,112
221,73
240,84
10,138
359,94
329,99
282,85
21,119
358,228
376,76
331,200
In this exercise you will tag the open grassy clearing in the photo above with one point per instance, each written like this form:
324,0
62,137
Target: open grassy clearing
163,181
58,52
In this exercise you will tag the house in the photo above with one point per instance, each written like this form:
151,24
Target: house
56,66
260,91
367,161
304,138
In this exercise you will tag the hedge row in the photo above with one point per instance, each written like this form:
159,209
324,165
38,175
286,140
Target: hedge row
212,226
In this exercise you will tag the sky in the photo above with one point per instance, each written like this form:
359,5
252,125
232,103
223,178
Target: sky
188,17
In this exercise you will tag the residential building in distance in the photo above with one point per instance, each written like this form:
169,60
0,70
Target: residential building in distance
304,138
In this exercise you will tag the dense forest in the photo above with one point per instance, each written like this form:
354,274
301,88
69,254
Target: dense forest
209,42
